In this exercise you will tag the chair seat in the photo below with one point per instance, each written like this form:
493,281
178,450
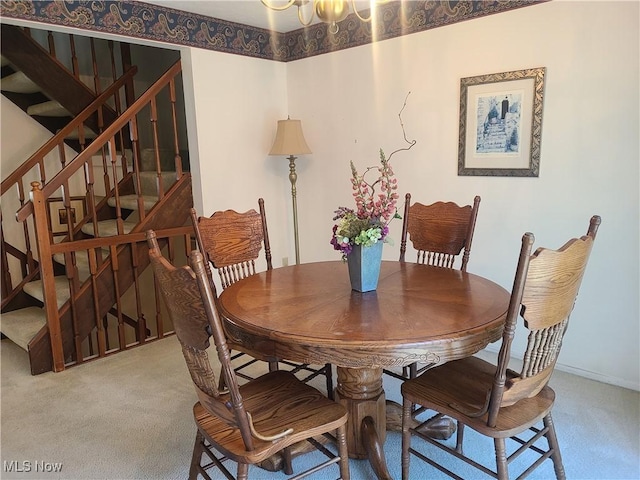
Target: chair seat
465,383
276,401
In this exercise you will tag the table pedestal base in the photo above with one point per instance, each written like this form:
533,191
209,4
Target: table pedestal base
439,428
360,391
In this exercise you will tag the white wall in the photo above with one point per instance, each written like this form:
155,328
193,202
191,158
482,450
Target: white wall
233,104
348,102
20,136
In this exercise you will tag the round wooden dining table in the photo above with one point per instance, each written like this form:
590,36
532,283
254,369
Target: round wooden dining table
418,313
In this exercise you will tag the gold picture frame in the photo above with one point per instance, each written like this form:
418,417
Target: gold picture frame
501,124
58,213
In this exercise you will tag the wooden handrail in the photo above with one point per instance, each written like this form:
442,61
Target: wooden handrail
49,189
104,242
14,252
53,143
37,63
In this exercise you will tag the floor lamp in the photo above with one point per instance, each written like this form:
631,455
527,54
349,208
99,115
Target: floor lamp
290,141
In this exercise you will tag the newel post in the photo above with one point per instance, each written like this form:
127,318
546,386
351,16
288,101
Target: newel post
46,273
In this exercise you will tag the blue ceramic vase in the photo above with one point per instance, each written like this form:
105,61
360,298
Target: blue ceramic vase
364,267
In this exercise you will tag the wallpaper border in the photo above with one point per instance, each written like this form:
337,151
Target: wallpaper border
152,22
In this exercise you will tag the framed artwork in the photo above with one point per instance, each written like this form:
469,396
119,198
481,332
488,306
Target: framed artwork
501,124
58,213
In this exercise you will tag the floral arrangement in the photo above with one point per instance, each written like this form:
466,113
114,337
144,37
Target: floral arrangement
369,222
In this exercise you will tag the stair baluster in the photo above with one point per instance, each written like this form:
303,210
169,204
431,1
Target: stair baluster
115,267
52,44
174,116
71,269
142,323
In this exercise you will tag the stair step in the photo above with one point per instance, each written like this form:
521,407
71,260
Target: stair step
61,282
149,182
20,326
18,82
62,290
88,134
107,228
48,109
82,263
130,202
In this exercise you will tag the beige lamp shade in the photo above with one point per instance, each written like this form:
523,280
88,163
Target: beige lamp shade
289,139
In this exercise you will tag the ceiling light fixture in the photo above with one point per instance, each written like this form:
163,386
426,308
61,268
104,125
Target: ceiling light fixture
329,11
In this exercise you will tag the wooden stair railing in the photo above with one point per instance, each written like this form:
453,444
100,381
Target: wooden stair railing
47,161
108,139
26,264
90,302
55,145
170,210
59,82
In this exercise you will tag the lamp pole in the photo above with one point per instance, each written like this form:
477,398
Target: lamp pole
293,176
290,141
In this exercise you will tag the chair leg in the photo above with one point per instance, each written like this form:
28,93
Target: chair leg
243,471
459,437
341,435
273,366
501,459
553,445
329,374
413,370
407,408
287,461
196,457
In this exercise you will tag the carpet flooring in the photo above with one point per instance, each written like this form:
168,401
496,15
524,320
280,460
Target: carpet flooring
128,416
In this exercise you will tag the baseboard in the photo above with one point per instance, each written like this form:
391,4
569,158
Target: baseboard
490,354
618,382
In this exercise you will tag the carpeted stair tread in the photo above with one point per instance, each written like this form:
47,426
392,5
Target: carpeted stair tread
88,134
107,228
130,202
18,82
149,182
82,263
48,109
62,290
20,326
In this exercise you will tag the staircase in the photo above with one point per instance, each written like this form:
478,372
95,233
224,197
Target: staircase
35,80
74,279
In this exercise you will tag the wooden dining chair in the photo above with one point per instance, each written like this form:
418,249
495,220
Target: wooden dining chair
245,424
493,400
439,233
232,242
